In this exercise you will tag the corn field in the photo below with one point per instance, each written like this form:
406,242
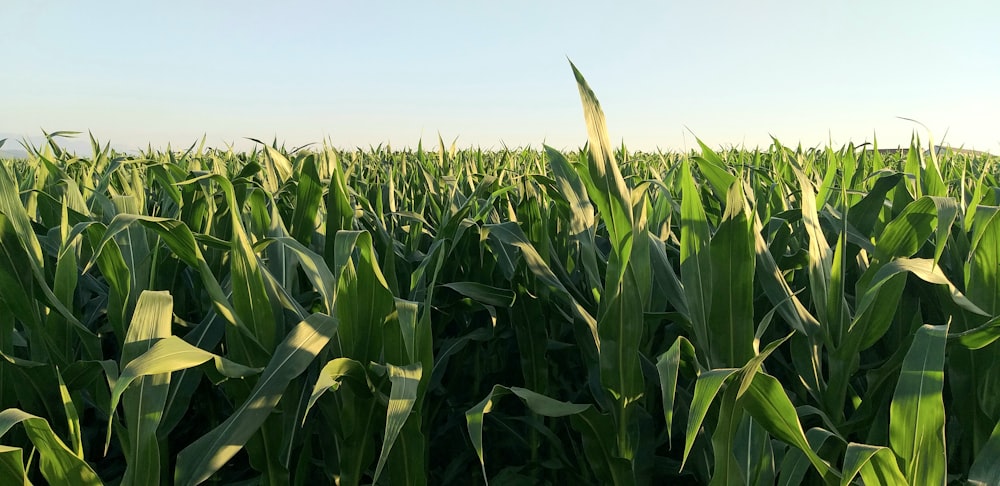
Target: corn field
313,316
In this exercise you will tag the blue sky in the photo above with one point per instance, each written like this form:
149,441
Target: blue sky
492,73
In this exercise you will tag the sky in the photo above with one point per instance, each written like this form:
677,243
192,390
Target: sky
494,74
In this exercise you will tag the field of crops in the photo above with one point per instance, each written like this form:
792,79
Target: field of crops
780,316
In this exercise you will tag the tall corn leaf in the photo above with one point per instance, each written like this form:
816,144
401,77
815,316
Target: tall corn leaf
620,319
144,402
181,241
250,299
665,279
402,397
611,196
72,418
820,256
64,288
731,324
339,211
714,168
11,206
668,367
363,296
18,221
777,289
581,222
727,469
982,269
924,269
917,414
115,270
356,403
600,453
16,292
309,197
696,261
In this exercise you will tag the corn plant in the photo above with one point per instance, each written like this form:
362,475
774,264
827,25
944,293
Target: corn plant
459,316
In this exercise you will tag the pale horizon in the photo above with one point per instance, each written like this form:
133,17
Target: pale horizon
490,75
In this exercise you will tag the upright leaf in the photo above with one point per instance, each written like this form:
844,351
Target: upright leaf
916,414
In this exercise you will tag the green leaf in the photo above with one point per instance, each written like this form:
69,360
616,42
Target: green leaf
13,209
926,270
820,256
509,236
144,402
364,302
12,466
333,376
315,269
796,464
864,214
540,404
182,244
72,418
875,464
917,414
668,366
198,461
714,169
402,396
979,337
769,404
357,406
250,299
59,465
166,356
705,389
483,293
309,197
581,221
599,452
731,325
339,210
982,269
986,468
727,470
696,261
779,293
665,279
908,231
612,197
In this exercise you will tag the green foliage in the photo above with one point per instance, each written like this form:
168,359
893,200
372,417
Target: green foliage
768,316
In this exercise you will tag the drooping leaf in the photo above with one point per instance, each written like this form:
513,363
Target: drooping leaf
198,461
59,465
540,404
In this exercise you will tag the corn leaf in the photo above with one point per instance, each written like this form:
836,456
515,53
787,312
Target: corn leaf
58,464
540,404
145,401
198,461
916,414
402,396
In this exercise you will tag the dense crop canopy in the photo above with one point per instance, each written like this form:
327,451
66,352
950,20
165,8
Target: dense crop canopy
766,316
